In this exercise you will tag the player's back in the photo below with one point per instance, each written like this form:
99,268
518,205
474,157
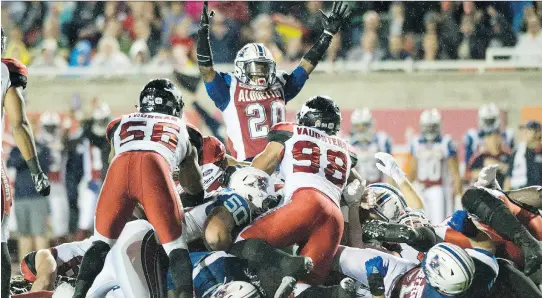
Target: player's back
314,159
161,133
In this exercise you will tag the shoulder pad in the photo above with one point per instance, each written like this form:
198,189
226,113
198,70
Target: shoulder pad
281,77
281,132
17,72
213,150
111,127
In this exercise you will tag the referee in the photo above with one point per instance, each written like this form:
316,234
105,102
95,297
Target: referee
526,162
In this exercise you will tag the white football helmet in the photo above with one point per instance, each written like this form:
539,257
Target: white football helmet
50,122
252,184
254,65
100,117
390,203
236,289
414,218
489,117
430,122
362,124
448,268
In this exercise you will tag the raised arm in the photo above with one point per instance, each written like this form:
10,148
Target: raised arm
22,133
332,24
205,57
387,165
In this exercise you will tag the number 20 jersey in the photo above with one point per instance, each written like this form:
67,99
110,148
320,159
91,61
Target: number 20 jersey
313,159
166,135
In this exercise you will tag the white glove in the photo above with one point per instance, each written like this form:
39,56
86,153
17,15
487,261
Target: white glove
352,192
368,200
488,177
387,165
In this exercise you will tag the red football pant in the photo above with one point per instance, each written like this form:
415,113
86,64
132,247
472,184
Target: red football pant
311,220
144,177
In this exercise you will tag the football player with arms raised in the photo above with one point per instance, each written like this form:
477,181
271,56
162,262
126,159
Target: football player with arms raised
145,148
253,98
14,80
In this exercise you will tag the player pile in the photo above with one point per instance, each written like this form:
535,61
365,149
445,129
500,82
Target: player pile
292,219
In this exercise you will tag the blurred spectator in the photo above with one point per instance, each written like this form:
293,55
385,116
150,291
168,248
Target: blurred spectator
492,153
224,37
368,51
163,58
312,20
371,23
49,57
112,12
80,55
31,209
32,21
475,40
82,24
16,47
233,10
263,31
526,162
396,19
139,51
174,16
502,33
532,39
109,54
395,49
448,31
430,47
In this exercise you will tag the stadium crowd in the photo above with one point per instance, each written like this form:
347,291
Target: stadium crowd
98,33
150,178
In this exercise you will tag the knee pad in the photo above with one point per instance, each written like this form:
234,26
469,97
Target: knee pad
180,268
481,203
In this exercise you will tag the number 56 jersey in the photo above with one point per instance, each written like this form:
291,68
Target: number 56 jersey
166,135
313,159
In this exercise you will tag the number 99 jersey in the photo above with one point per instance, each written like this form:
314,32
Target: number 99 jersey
166,135
313,159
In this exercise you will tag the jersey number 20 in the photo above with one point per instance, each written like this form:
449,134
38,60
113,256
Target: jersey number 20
258,124
158,133
309,151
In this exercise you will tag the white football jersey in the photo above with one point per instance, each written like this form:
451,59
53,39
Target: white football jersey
312,159
432,158
166,135
6,82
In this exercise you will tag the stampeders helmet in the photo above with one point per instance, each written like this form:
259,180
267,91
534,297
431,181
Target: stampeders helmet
161,96
320,112
448,268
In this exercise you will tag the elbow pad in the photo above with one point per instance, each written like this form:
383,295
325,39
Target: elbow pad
205,58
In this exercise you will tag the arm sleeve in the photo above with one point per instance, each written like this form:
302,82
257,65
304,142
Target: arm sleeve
280,133
219,90
294,82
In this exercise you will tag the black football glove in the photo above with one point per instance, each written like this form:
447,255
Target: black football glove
337,18
41,183
205,16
